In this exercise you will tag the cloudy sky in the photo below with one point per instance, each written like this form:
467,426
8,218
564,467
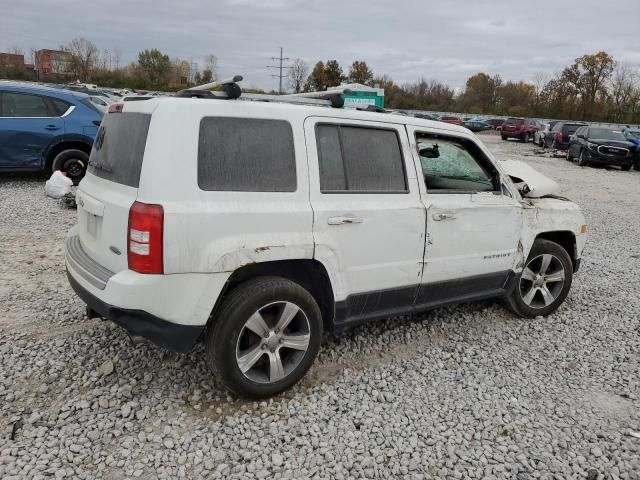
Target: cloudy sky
446,40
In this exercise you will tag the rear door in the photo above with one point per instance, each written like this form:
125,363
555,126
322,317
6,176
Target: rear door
28,124
369,221
110,187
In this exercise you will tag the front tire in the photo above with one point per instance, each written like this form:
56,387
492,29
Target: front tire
569,157
582,160
544,283
72,162
626,168
525,138
504,138
265,337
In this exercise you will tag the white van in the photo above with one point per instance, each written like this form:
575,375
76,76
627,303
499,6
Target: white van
257,226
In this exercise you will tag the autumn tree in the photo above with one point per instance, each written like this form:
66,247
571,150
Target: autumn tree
482,93
297,75
84,55
156,66
360,73
589,76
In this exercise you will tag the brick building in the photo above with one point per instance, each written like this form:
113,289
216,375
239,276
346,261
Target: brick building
52,64
12,61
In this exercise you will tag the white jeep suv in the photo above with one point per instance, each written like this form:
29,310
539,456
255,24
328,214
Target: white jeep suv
257,226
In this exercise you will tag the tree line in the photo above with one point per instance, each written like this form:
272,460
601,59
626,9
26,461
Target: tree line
593,88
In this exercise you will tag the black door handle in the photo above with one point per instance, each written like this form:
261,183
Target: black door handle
52,127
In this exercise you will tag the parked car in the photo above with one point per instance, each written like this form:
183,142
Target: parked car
539,136
102,103
558,136
602,146
426,116
520,128
477,125
452,120
256,250
632,135
496,123
46,129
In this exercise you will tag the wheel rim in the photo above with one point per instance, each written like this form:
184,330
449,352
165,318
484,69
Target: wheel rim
273,342
73,168
541,281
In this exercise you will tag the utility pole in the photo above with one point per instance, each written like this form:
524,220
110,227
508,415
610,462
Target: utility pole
280,68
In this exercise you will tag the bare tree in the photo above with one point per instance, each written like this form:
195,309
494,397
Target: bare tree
210,68
298,75
16,50
117,56
84,56
623,86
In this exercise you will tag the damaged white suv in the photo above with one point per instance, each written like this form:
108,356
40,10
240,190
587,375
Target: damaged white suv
257,226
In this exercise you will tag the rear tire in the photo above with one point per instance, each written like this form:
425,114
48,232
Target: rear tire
503,137
569,157
626,168
72,162
544,283
263,365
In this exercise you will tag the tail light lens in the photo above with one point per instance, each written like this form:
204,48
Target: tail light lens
144,238
559,136
116,107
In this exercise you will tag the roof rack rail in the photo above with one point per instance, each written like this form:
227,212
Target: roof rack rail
231,90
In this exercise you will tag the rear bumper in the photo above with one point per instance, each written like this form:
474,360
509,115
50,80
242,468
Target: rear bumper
172,336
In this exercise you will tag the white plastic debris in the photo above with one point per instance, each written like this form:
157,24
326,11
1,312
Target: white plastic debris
58,185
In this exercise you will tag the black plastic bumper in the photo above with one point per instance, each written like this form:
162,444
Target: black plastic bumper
179,338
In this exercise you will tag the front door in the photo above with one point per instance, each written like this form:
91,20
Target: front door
473,221
369,220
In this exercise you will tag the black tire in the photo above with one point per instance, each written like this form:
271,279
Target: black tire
569,157
541,142
223,335
72,162
503,137
515,301
525,138
626,168
637,165
582,161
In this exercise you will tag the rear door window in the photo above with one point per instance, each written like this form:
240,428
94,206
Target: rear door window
360,159
246,155
23,105
119,146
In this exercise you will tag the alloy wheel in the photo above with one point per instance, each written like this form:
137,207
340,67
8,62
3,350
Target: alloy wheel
541,281
273,342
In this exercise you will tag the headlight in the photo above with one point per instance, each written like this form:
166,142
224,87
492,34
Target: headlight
592,146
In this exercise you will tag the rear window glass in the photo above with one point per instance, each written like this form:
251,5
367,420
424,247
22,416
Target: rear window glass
246,155
119,147
570,128
515,121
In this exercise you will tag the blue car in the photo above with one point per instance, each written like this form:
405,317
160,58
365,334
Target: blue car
46,129
633,135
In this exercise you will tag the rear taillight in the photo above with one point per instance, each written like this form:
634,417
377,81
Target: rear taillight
116,107
144,238
559,136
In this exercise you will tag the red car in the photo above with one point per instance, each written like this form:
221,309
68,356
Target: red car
451,120
520,128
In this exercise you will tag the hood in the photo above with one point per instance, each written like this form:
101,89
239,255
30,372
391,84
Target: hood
521,172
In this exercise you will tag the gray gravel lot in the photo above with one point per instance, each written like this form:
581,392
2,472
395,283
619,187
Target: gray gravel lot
464,392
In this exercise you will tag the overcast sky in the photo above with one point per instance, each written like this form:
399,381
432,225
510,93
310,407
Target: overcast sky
446,40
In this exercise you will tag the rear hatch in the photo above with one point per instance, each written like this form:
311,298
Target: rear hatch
569,129
111,186
512,124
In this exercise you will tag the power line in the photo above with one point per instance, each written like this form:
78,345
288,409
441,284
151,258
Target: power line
280,67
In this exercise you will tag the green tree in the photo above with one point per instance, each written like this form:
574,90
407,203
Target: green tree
156,67
360,73
317,79
333,74
481,93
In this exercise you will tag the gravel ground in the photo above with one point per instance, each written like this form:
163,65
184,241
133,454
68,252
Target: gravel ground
464,392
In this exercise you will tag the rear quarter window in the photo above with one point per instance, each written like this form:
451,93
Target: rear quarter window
515,121
119,146
246,155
